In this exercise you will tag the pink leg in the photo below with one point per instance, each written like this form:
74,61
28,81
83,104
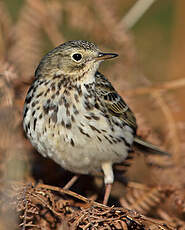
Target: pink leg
71,182
108,188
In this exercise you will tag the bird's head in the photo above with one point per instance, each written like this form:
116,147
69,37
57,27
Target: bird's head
73,58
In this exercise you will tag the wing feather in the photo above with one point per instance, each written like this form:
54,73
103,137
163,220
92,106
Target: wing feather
117,107
113,101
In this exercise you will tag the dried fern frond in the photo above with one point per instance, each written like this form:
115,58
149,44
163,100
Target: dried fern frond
159,163
96,217
108,17
26,49
7,77
178,199
76,20
8,70
5,29
179,223
8,81
52,21
39,206
35,17
142,198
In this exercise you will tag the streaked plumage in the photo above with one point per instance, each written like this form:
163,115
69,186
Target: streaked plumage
74,115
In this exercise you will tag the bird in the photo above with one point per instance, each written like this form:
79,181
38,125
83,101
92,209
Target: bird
73,114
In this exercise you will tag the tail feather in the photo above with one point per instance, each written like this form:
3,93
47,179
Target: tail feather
148,147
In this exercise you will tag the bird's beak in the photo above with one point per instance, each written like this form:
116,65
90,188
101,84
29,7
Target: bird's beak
104,56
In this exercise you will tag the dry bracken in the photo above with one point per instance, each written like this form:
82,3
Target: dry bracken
41,25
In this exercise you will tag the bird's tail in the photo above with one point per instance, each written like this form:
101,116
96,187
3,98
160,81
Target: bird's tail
148,147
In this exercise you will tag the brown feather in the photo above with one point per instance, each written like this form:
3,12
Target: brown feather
117,107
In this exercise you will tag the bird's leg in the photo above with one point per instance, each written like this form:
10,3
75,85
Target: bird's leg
108,179
71,182
108,188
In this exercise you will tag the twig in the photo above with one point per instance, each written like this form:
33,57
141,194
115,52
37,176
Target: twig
170,121
70,193
135,13
170,85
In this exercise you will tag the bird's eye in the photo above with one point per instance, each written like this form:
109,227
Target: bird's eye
77,56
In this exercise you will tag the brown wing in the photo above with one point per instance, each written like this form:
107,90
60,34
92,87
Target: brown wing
114,103
117,107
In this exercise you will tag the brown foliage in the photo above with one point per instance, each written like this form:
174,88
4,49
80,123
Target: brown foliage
156,201
38,206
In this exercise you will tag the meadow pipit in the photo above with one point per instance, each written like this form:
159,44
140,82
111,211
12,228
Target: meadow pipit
73,114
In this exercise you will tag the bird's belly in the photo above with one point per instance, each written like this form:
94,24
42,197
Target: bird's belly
77,135
83,147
